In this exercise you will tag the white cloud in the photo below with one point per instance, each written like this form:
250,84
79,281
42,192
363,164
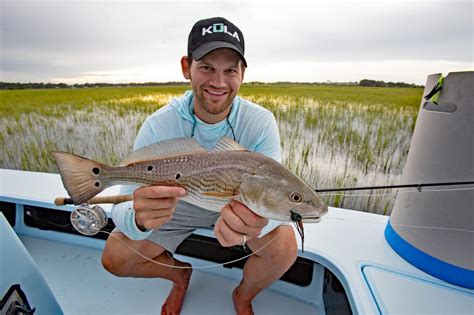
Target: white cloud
286,41
410,71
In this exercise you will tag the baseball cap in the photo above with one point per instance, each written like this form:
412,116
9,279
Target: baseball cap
214,33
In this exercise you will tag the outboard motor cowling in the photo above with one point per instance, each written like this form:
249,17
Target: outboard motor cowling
433,230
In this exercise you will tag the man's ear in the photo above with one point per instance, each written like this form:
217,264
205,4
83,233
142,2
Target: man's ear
185,67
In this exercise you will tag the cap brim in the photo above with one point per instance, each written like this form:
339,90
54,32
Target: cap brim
204,49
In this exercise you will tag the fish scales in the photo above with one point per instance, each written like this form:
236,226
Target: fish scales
214,173
210,178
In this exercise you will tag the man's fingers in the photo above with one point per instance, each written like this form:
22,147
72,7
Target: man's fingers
225,235
248,216
157,222
154,192
235,223
229,216
153,214
146,204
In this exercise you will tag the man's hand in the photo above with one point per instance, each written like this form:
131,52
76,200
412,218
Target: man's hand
154,205
237,220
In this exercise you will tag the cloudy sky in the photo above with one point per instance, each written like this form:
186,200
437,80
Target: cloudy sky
139,41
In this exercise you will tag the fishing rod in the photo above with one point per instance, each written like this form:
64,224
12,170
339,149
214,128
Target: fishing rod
89,220
418,186
61,201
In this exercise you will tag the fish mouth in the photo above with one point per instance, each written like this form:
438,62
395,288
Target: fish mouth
311,219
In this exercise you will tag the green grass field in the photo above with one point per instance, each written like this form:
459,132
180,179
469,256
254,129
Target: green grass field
17,102
331,136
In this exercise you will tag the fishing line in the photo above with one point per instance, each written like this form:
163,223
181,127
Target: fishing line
342,219
195,267
403,225
298,225
179,267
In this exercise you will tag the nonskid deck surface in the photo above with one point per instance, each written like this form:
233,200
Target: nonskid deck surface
82,286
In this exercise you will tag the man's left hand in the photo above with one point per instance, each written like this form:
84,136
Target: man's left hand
237,221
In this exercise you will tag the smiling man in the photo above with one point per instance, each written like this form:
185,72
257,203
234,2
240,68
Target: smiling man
157,221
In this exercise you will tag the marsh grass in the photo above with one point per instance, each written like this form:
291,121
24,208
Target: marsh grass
330,136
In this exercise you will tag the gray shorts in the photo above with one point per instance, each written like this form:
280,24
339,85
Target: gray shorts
186,219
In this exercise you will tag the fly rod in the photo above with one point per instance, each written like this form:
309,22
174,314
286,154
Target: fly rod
418,186
61,201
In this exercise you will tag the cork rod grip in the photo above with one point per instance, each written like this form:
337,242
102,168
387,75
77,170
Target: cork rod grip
61,201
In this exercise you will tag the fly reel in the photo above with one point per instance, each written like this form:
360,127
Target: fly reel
88,220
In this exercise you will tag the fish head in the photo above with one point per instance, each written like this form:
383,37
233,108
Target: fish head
282,196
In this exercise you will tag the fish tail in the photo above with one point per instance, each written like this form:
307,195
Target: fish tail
81,177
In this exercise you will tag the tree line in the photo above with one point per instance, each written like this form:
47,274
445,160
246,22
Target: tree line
30,85
41,85
374,83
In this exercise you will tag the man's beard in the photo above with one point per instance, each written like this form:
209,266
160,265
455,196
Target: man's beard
209,107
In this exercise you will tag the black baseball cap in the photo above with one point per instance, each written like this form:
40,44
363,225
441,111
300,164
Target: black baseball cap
214,33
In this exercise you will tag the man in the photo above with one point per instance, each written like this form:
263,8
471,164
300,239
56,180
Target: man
156,222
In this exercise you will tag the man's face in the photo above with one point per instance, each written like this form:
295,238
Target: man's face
215,80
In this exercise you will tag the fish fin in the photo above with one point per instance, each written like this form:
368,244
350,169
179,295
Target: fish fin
227,144
219,194
80,176
238,198
166,148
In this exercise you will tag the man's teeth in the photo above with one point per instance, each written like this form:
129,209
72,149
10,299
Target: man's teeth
215,93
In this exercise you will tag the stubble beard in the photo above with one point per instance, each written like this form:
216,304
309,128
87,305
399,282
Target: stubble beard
209,107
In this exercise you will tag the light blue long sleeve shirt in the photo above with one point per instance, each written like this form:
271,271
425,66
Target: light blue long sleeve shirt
254,127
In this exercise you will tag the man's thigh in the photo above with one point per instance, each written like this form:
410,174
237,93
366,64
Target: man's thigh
119,247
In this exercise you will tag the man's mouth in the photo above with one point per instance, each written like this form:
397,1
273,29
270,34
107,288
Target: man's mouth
215,93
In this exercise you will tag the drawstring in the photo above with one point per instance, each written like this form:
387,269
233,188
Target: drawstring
195,122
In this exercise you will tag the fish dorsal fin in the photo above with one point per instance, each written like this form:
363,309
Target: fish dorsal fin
166,148
227,144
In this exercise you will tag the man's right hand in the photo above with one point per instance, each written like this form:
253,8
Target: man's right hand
154,205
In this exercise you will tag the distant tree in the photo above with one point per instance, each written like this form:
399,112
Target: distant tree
374,83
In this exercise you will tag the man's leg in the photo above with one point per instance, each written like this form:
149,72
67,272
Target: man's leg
118,259
265,267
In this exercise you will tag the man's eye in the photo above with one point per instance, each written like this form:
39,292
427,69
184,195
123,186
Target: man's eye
205,68
232,71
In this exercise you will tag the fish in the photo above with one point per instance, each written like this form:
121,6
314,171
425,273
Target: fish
210,177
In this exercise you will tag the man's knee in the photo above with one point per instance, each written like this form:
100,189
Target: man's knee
113,259
285,249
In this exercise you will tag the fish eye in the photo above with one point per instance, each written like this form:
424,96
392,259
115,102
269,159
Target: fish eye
296,197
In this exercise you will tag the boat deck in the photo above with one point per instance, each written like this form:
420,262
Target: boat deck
82,286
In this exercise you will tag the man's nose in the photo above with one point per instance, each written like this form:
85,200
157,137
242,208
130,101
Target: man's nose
218,79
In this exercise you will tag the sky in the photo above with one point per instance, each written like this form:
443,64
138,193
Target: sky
300,41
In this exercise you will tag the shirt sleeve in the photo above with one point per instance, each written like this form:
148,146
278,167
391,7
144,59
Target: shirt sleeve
123,216
268,140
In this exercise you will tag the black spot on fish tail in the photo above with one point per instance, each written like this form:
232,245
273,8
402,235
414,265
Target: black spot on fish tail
80,176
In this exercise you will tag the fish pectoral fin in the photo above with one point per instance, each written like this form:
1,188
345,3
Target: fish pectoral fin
219,194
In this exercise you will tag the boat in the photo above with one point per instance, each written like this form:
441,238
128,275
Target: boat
353,262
